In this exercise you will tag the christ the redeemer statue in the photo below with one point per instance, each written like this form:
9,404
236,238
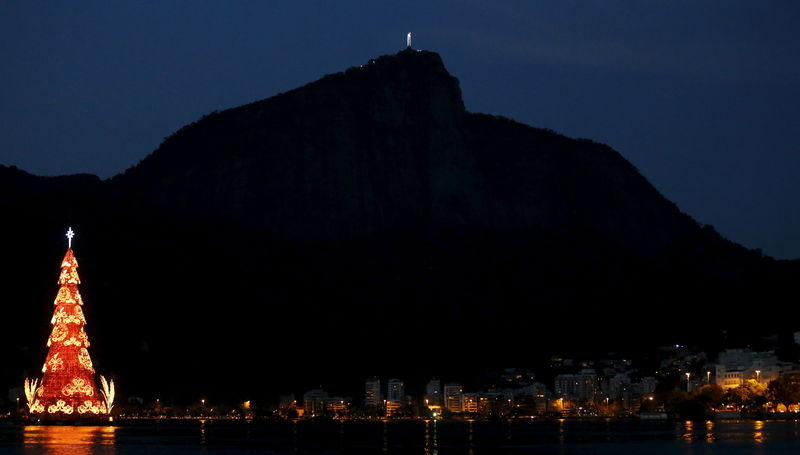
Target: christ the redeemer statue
408,40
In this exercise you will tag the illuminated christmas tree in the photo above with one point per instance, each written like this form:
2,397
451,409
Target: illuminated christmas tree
68,388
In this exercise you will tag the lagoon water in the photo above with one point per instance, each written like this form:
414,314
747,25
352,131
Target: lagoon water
412,437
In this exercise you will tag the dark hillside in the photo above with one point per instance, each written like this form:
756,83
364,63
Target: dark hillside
367,224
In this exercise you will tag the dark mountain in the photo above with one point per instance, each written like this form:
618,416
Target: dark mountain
366,223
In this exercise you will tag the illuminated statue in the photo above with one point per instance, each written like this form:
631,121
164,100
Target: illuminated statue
68,390
408,40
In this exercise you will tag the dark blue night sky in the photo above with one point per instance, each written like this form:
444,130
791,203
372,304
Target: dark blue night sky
703,97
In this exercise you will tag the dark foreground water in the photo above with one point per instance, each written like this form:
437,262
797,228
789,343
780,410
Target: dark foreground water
424,438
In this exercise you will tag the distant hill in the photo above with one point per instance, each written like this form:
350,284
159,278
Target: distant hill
363,224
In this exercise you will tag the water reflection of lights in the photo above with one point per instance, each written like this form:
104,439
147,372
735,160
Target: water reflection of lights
471,438
427,445
688,431
294,434
758,431
710,437
70,440
385,435
202,431
431,438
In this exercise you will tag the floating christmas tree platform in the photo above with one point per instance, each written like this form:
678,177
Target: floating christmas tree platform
68,390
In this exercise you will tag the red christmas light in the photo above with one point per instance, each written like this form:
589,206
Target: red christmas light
68,388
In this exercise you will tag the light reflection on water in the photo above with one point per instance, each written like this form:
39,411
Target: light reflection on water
758,431
688,431
431,446
731,432
69,440
202,431
385,435
710,437
422,438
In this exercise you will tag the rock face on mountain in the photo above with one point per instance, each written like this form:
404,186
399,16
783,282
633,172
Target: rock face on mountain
389,147
375,149
370,216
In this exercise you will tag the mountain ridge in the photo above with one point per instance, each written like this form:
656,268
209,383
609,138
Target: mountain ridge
369,212
424,66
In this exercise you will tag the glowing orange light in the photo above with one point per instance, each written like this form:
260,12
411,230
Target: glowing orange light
68,386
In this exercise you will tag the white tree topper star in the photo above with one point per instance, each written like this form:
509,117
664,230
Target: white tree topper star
70,235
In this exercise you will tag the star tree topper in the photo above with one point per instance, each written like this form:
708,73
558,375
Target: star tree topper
70,235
